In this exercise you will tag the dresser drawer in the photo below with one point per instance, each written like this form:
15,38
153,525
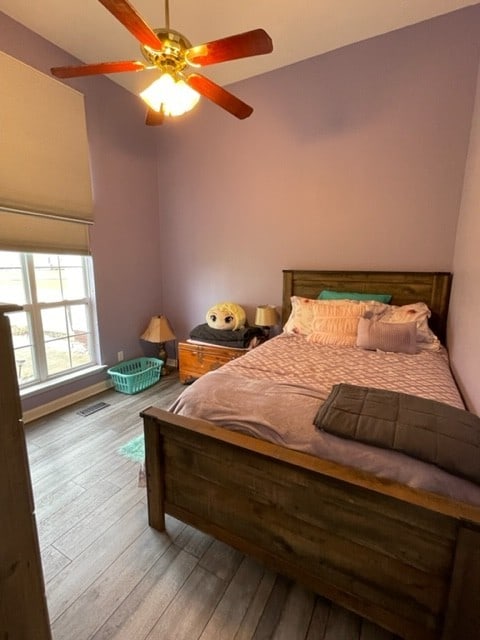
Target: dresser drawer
196,359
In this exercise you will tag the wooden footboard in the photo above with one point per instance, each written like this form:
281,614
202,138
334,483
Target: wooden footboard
405,559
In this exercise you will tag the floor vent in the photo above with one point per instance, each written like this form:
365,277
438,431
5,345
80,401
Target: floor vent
92,408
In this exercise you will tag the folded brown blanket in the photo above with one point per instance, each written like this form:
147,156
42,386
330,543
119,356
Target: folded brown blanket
238,338
425,429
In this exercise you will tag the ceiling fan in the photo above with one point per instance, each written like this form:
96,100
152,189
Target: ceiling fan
170,52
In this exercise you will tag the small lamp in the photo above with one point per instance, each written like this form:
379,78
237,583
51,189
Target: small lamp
159,331
266,317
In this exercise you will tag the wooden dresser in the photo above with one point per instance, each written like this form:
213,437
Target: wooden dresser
23,606
196,359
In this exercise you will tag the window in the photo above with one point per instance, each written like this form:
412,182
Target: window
56,333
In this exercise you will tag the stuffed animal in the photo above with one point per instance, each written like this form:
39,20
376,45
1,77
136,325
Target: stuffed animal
226,315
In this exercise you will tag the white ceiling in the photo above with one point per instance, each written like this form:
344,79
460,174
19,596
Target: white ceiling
299,29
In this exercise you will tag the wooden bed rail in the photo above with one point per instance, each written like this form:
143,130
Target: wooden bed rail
432,501
406,559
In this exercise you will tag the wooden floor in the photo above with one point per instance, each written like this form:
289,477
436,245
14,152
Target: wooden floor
109,576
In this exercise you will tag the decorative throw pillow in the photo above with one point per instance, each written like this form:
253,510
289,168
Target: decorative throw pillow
387,336
332,322
327,294
418,313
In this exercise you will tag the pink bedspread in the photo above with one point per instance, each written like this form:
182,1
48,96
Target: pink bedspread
274,391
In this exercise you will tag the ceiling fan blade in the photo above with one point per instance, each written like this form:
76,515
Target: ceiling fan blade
131,20
219,96
100,67
154,118
242,45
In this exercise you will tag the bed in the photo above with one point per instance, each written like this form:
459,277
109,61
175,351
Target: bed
403,553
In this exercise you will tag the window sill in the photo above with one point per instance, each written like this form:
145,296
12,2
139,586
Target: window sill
37,389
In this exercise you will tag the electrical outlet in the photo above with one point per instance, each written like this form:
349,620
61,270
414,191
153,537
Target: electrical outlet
119,356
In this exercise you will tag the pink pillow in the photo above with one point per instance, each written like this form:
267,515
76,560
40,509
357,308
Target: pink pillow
333,322
419,313
387,336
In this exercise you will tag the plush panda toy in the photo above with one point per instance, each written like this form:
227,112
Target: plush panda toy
226,315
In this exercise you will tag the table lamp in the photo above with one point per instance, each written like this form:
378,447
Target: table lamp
159,331
266,317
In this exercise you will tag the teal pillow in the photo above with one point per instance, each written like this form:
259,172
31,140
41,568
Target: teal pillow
326,294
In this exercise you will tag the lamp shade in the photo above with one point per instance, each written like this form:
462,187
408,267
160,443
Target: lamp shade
158,330
266,316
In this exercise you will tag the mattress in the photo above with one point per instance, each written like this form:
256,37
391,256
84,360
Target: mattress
274,391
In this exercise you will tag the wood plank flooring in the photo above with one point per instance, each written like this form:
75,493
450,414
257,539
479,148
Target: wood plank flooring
110,576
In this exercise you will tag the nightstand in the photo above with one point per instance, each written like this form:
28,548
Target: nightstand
194,359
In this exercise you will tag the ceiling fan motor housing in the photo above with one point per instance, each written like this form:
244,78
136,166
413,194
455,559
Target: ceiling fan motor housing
171,58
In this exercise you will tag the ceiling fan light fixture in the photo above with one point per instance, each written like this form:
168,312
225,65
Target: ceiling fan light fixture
172,95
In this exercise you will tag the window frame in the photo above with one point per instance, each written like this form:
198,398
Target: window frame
33,310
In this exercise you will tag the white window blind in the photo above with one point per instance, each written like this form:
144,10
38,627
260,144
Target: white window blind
45,187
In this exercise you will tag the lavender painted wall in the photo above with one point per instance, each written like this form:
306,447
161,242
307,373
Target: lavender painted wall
463,329
125,237
353,159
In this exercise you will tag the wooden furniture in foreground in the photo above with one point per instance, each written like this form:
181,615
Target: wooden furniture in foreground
23,608
407,559
197,359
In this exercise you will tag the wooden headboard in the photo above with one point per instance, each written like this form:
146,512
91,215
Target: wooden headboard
406,287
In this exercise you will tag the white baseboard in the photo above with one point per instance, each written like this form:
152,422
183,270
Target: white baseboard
65,401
